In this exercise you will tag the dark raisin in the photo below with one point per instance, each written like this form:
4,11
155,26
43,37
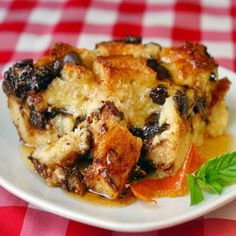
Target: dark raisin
152,126
146,165
79,119
110,107
23,77
136,132
152,130
7,87
200,105
152,119
138,173
212,77
182,102
37,120
57,67
72,58
41,119
24,62
132,39
162,72
159,94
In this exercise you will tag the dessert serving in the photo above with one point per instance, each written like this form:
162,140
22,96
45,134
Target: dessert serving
101,120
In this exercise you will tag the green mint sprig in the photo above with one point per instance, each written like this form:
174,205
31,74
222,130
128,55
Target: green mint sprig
214,175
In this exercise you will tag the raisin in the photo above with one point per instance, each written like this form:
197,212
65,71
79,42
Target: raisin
152,126
132,39
152,119
41,119
212,77
162,72
152,130
72,58
138,173
200,106
136,132
24,62
37,120
159,94
23,77
182,102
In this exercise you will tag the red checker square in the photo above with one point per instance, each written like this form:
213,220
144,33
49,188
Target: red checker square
23,4
80,3
68,27
193,228
75,228
222,227
127,6
183,34
5,57
124,29
188,6
12,26
12,219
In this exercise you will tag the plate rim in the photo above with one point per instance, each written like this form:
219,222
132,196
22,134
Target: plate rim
111,224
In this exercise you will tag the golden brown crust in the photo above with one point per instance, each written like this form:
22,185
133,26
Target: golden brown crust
126,95
190,65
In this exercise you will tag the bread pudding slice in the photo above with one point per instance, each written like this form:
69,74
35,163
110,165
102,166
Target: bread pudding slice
120,106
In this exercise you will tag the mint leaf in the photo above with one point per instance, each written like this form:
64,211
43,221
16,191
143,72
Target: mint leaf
221,169
214,174
195,190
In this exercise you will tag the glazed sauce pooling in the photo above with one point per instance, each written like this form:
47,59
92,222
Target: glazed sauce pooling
212,147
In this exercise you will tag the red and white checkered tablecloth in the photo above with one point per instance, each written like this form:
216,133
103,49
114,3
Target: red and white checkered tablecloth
27,28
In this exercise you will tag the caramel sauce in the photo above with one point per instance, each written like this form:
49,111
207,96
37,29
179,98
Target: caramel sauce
99,200
96,199
212,147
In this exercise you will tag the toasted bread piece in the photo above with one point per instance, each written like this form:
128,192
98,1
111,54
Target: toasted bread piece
116,152
56,162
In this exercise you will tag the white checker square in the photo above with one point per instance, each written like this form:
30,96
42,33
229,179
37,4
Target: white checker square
89,40
216,3
2,14
44,16
98,16
33,43
216,23
165,18
220,49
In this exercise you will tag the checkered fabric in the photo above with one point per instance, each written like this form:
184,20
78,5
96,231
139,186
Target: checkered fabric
27,29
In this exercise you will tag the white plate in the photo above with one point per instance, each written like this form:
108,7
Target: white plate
18,179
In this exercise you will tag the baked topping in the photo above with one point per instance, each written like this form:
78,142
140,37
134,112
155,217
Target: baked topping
125,108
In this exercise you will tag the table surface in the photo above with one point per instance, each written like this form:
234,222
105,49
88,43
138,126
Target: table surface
27,29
